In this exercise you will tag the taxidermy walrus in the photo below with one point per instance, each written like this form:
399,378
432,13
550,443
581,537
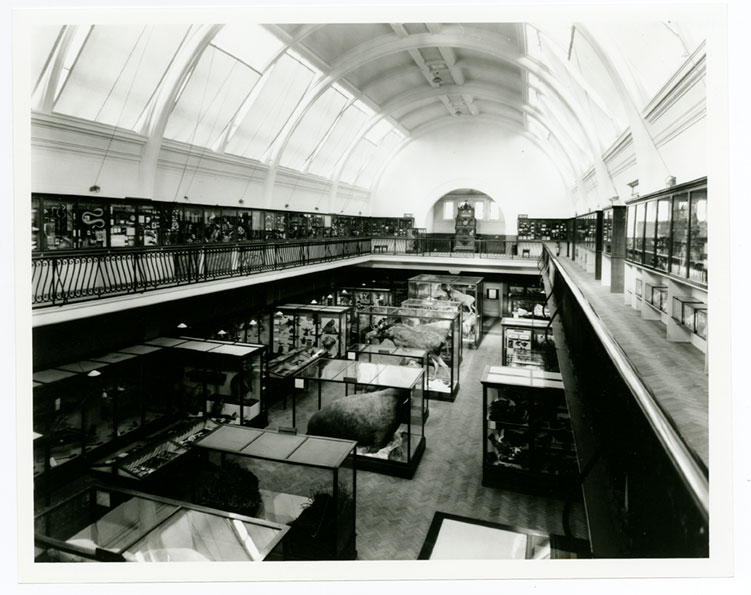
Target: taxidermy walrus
369,418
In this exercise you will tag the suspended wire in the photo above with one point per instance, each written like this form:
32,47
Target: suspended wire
216,118
127,96
198,121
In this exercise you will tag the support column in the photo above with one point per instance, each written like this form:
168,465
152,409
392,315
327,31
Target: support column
598,246
618,250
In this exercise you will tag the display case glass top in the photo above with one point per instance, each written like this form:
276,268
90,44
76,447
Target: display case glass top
121,525
140,349
82,366
388,350
165,341
316,451
113,358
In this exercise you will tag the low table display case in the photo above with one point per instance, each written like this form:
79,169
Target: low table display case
144,462
437,332
466,290
300,326
528,343
692,314
105,524
381,406
221,379
306,483
657,297
528,444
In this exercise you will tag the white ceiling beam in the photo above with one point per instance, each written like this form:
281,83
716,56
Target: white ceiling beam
469,100
448,55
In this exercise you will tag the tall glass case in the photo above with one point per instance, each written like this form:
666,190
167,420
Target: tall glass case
527,301
300,326
528,343
438,333
381,406
444,306
105,524
222,380
82,406
306,483
527,439
466,290
361,297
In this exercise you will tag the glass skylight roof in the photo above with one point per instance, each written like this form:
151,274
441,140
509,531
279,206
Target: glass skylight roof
312,128
216,89
286,84
117,72
45,38
249,43
339,138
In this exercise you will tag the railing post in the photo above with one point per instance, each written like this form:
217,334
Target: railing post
135,272
54,281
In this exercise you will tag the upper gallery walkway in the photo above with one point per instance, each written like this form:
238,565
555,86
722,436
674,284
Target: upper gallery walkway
71,285
675,372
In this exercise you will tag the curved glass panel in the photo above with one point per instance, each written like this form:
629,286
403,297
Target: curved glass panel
374,164
42,45
357,161
282,91
216,89
338,140
117,72
311,129
250,43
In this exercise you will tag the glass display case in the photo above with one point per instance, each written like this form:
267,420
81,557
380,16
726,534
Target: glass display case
527,439
145,463
106,524
301,326
398,356
381,406
528,343
82,406
694,317
221,379
657,296
466,290
438,333
306,483
526,301
361,297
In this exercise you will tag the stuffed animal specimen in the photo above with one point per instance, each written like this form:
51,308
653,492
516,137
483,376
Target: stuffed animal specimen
429,338
369,418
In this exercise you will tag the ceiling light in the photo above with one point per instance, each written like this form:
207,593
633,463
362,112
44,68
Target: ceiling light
94,188
182,325
94,374
437,80
458,112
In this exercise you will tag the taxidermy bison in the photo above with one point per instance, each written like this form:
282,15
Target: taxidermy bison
369,418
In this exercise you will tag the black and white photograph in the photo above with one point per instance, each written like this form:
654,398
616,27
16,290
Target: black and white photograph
360,293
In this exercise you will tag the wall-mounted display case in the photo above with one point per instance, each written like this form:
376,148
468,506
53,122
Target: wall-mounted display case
638,288
381,406
656,296
667,231
438,333
528,343
527,439
541,229
301,326
526,301
220,379
105,524
306,483
692,314
466,290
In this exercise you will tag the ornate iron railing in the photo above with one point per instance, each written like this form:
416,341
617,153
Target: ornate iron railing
64,277
60,278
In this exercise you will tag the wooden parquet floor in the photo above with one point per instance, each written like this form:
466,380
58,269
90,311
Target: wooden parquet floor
394,515
674,371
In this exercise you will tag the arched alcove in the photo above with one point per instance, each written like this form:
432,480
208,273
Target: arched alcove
488,212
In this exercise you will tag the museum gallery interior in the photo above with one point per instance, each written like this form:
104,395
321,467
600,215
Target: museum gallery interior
372,291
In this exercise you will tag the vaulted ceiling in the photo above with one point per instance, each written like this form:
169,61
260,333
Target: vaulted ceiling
337,100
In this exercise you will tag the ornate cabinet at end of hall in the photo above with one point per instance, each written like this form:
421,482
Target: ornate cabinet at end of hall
466,225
